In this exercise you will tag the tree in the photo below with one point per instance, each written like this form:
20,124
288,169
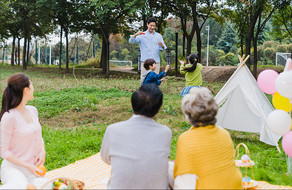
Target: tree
4,10
198,12
282,21
64,14
106,17
228,39
255,13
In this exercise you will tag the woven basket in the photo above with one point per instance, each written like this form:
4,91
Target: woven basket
76,184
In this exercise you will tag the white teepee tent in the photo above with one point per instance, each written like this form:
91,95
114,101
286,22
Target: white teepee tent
243,106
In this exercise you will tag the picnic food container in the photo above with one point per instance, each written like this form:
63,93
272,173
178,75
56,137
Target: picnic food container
64,183
246,162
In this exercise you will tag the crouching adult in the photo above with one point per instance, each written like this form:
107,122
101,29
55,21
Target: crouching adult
138,149
205,153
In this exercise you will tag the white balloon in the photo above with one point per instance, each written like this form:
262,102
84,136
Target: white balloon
284,84
279,122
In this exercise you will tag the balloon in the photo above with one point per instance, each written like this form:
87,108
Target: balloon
284,84
279,122
287,143
281,102
266,81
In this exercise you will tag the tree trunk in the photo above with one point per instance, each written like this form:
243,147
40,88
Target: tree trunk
24,53
255,54
89,46
93,46
144,17
18,51
27,52
189,44
15,55
67,51
105,54
13,49
60,57
250,33
184,45
241,45
199,46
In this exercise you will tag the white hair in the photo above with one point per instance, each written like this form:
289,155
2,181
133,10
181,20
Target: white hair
200,107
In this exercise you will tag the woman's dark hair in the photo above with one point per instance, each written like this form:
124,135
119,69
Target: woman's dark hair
151,19
13,93
148,62
193,59
147,100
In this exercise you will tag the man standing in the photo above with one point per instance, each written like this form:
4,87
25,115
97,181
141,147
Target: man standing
138,149
150,43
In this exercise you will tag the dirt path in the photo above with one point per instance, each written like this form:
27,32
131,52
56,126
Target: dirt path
210,74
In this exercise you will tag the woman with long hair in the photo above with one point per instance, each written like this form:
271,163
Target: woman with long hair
22,144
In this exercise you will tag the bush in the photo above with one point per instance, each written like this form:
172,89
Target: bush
268,44
289,48
230,59
270,54
91,62
220,60
282,48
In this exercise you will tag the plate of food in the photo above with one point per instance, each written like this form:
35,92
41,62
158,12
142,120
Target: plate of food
241,163
250,184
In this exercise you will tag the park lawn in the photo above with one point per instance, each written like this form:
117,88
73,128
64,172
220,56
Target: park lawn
75,112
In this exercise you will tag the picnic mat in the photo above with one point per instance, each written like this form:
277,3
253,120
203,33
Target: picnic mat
95,174
92,171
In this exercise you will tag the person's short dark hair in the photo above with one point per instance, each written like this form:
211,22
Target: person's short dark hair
147,100
151,19
148,62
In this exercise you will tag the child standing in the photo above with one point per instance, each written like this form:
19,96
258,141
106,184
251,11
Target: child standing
192,72
150,76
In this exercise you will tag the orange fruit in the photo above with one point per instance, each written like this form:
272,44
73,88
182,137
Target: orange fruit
43,168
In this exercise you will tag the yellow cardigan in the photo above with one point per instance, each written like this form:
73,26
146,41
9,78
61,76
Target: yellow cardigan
209,153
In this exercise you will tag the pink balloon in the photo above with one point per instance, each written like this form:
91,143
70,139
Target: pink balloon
266,81
287,143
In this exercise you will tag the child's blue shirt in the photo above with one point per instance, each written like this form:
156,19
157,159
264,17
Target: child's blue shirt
152,77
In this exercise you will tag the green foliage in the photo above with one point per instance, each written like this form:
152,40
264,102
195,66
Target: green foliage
228,39
270,54
282,22
268,44
230,59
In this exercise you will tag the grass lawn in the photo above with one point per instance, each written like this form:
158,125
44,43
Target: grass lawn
74,113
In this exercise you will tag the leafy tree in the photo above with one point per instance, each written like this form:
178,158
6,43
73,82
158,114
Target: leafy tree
228,39
4,11
255,14
106,17
125,53
198,12
283,21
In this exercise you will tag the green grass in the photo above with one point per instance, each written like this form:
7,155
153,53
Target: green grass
75,112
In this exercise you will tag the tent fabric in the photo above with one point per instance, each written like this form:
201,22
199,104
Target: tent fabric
244,107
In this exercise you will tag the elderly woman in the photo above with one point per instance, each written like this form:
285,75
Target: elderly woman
205,153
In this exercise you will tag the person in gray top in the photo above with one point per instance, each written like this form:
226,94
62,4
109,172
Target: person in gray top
138,149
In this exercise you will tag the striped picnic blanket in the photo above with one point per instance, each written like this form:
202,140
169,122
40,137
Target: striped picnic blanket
92,171
95,174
